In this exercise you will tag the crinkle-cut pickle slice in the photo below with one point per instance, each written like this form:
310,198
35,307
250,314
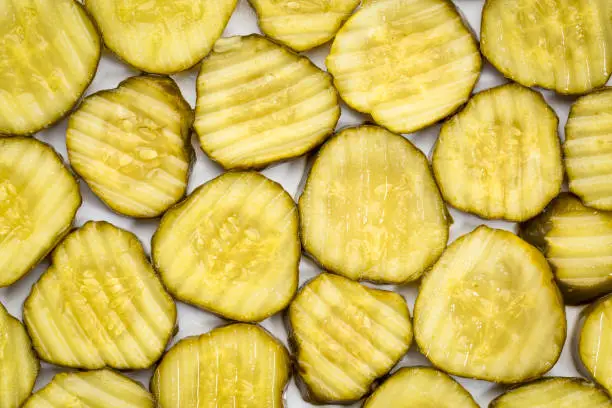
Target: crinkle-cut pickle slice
500,157
161,36
102,388
345,336
132,145
564,46
490,310
302,24
408,63
100,303
18,364
260,103
595,342
49,53
231,247
39,198
239,365
371,209
576,243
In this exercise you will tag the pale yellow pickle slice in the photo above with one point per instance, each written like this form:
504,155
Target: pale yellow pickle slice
595,342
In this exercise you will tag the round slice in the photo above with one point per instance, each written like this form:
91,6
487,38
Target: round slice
103,388
577,242
500,157
39,198
345,336
231,247
100,303
565,46
239,365
420,387
408,63
490,310
132,145
595,342
302,24
260,103
161,36
49,53
371,209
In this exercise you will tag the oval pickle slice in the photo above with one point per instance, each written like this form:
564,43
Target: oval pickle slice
490,310
49,53
231,247
100,303
161,36
595,337
500,157
260,103
239,365
371,209
39,198
566,47
132,145
408,63
345,336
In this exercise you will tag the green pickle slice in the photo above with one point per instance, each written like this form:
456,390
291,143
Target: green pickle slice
595,342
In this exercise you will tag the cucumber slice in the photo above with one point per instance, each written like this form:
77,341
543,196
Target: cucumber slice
302,24
345,336
500,157
132,145
371,209
408,63
39,198
100,303
489,310
595,340
49,53
573,239
565,46
231,247
91,389
260,103
239,365
420,387
161,36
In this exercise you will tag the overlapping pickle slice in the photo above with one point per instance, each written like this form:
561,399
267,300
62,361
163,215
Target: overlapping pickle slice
260,103
231,247
371,209
161,36
408,63
49,52
100,303
490,310
91,389
132,145
345,336
302,24
239,365
39,198
565,46
500,157
595,342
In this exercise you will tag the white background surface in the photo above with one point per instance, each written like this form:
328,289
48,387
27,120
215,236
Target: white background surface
193,321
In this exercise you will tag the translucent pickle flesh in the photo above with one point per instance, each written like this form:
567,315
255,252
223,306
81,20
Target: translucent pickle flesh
595,340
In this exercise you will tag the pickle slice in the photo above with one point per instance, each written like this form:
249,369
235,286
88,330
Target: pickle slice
565,46
239,365
161,36
500,157
345,336
489,310
408,63
132,145
39,198
91,389
100,303
595,342
231,247
371,209
49,53
260,103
